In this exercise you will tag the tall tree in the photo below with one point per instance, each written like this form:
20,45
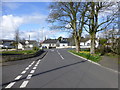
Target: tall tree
69,15
94,23
17,38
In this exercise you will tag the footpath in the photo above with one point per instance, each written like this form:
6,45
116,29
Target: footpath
110,62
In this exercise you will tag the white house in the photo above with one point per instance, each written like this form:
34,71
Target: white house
6,43
50,43
20,46
63,44
87,43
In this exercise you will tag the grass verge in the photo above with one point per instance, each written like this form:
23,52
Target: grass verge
87,55
19,52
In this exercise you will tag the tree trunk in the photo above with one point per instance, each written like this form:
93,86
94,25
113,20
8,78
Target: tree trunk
77,43
92,49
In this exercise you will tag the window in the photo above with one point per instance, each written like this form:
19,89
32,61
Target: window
88,44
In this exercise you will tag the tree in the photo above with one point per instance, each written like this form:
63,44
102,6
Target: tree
17,38
59,38
94,23
69,15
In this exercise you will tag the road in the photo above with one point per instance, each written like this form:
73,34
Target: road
58,69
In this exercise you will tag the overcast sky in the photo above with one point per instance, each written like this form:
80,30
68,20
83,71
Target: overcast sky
29,18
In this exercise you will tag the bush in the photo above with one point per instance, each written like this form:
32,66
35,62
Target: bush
35,48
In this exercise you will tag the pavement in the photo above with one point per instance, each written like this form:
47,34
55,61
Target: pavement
58,69
109,62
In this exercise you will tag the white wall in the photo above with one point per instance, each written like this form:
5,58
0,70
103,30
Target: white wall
87,44
89,41
63,44
81,43
20,46
47,45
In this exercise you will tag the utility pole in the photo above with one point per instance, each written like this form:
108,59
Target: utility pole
43,33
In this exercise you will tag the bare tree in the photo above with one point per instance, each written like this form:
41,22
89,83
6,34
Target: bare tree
69,15
94,25
17,38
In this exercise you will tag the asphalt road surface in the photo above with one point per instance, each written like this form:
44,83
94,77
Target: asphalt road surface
58,69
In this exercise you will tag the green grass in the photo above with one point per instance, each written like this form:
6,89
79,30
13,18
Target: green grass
87,55
19,52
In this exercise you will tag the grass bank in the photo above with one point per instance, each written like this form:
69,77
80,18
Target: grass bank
19,55
19,52
87,55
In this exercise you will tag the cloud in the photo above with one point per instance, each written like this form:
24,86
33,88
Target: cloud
10,23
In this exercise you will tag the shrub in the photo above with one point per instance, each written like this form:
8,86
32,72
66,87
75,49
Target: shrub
35,48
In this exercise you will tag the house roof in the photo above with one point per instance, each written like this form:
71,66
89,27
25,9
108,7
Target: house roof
31,41
50,41
5,40
63,41
84,39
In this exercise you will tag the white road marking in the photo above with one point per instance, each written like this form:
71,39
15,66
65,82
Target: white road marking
29,76
24,84
37,62
10,85
34,67
32,71
60,55
18,77
27,68
23,72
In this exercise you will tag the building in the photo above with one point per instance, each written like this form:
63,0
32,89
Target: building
50,43
7,44
26,44
86,43
63,44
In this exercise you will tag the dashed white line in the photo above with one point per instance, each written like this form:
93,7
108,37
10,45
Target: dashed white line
29,76
27,68
60,55
29,65
10,85
32,71
18,77
24,84
23,72
34,67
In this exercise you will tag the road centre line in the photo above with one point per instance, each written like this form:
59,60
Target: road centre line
60,55
23,72
29,76
24,84
34,67
27,68
18,77
32,71
10,85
